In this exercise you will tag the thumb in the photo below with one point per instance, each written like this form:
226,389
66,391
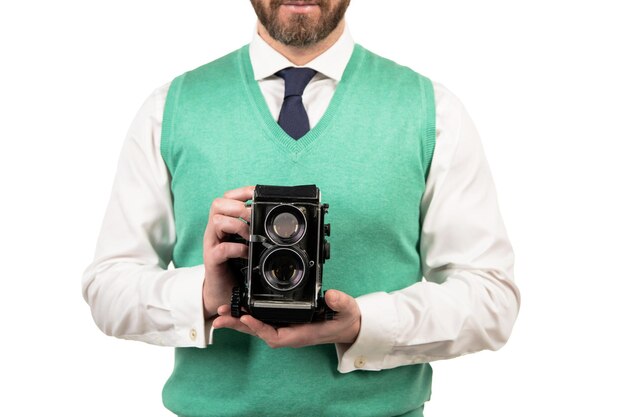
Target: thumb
337,300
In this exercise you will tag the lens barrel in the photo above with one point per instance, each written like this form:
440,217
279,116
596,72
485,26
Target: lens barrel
285,224
284,268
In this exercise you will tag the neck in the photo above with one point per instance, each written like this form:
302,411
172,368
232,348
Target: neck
305,54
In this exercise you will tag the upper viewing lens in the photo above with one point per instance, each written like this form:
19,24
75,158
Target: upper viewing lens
285,225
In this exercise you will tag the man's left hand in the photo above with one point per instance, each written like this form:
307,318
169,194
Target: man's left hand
344,328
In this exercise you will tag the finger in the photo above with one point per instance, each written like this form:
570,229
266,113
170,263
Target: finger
227,250
262,330
339,301
223,310
295,335
241,194
229,322
292,336
223,225
224,207
230,207
300,335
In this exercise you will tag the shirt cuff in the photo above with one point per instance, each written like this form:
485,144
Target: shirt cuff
376,339
187,309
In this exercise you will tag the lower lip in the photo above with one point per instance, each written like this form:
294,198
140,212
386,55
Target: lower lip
300,8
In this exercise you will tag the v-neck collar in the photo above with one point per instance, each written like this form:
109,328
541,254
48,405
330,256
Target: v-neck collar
274,131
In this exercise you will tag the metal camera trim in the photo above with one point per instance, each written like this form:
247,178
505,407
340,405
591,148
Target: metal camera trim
277,239
301,257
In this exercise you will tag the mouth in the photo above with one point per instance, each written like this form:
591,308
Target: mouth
300,6
300,3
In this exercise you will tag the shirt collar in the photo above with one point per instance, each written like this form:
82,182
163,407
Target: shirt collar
266,61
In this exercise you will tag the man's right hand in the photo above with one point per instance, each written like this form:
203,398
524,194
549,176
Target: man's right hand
224,219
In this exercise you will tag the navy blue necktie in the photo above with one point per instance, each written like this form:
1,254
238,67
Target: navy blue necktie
293,118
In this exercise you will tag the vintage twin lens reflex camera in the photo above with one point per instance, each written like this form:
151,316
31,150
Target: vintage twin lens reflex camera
281,281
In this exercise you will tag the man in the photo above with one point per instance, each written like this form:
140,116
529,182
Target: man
401,165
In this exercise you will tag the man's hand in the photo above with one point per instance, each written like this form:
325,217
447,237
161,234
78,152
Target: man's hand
344,328
224,219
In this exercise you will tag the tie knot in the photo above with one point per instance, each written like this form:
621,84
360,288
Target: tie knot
296,79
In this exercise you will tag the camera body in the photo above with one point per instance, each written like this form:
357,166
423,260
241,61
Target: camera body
281,281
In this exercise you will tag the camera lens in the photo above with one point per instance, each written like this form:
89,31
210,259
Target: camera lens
284,268
285,225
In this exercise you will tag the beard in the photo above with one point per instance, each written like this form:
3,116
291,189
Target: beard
300,30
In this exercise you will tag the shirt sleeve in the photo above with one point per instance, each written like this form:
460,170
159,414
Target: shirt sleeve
467,300
128,286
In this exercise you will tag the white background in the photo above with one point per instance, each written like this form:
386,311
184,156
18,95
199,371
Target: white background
543,80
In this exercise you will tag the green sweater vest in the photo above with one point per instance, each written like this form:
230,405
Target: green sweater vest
369,155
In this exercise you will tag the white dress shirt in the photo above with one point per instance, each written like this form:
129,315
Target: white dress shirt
466,302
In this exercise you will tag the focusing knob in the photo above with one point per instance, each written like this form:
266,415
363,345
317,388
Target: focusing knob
326,250
327,229
235,302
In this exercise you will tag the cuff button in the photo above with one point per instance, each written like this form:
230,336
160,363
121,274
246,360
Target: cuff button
193,334
359,362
